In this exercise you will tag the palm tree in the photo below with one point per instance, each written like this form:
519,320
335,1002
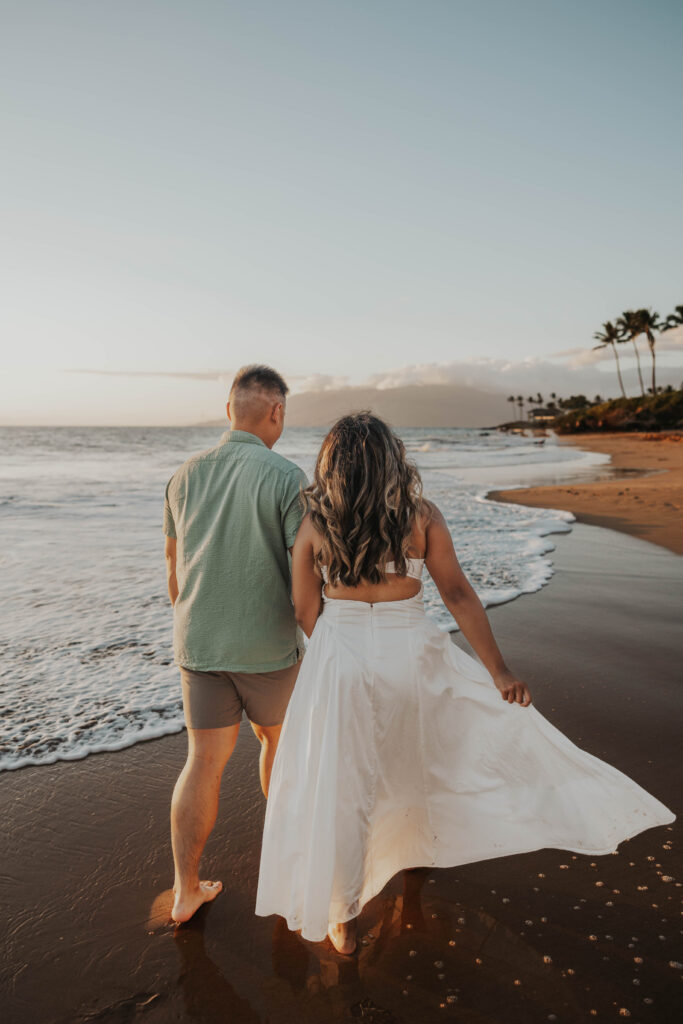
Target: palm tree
627,326
513,400
539,398
520,403
673,320
530,402
610,336
646,323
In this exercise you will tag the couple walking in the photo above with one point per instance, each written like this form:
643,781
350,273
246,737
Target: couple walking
395,749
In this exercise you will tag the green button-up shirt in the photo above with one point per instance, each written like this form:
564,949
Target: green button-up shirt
235,510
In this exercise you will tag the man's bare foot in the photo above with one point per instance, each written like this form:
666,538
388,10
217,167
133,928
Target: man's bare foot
343,937
187,904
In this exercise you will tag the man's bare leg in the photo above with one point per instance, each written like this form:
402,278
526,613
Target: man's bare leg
193,814
268,735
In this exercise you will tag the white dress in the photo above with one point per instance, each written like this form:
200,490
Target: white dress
397,751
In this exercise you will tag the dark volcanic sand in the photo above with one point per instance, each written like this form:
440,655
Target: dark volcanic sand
538,937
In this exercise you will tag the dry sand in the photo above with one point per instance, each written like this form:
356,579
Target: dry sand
645,498
544,936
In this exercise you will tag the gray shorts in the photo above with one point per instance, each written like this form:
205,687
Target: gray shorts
214,700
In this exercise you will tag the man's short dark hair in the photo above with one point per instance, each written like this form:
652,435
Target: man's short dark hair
257,376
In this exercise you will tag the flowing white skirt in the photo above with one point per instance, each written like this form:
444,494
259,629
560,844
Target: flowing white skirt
397,751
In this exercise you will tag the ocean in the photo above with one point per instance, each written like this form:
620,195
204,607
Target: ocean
86,635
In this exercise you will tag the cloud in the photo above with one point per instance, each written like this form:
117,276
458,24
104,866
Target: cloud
565,374
483,372
570,371
583,356
316,382
670,341
218,375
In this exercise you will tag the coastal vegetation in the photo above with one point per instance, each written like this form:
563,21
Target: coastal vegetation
656,408
663,411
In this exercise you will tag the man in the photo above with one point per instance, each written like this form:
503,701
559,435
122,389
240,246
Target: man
230,518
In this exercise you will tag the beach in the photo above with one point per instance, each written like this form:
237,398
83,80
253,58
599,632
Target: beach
351,267
87,660
541,936
644,499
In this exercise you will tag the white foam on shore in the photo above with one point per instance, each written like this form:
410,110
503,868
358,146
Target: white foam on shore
86,645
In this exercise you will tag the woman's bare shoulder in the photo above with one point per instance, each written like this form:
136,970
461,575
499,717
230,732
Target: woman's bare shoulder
307,530
309,535
430,514
426,515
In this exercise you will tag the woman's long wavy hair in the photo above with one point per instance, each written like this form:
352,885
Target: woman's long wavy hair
363,501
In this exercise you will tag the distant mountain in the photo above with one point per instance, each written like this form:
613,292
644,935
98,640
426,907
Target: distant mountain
420,405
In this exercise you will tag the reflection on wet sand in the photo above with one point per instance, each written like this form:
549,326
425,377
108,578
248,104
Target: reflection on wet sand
207,995
516,940
423,954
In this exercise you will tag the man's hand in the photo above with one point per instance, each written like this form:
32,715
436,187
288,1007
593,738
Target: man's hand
513,690
170,553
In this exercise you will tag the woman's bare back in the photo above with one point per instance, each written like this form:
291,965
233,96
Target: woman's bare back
394,588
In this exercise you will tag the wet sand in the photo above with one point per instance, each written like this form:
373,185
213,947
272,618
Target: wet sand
546,936
643,499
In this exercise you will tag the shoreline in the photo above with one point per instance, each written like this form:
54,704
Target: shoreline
644,498
87,861
556,496
126,643
540,935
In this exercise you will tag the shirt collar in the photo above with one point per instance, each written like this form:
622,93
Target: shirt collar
231,436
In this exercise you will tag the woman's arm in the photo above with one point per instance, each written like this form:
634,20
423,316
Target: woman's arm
306,581
466,608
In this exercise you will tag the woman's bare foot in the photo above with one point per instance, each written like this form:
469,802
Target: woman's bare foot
343,937
187,904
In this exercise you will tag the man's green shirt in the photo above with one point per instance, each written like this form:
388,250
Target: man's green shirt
235,511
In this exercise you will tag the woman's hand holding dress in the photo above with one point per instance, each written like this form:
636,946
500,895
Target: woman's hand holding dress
513,690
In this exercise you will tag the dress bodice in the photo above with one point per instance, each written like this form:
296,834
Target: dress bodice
414,567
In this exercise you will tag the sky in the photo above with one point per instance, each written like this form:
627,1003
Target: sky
351,191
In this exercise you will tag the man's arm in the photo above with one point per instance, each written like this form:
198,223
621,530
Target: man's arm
170,553
292,506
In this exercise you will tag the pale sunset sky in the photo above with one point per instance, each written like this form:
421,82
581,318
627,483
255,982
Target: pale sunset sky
352,191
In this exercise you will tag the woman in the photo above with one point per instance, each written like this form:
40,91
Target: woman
399,750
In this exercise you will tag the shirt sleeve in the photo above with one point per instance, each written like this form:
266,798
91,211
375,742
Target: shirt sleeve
169,525
292,506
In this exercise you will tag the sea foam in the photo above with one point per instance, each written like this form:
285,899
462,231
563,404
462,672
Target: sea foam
86,646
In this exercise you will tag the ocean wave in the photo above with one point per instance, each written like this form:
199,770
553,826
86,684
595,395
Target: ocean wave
86,660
